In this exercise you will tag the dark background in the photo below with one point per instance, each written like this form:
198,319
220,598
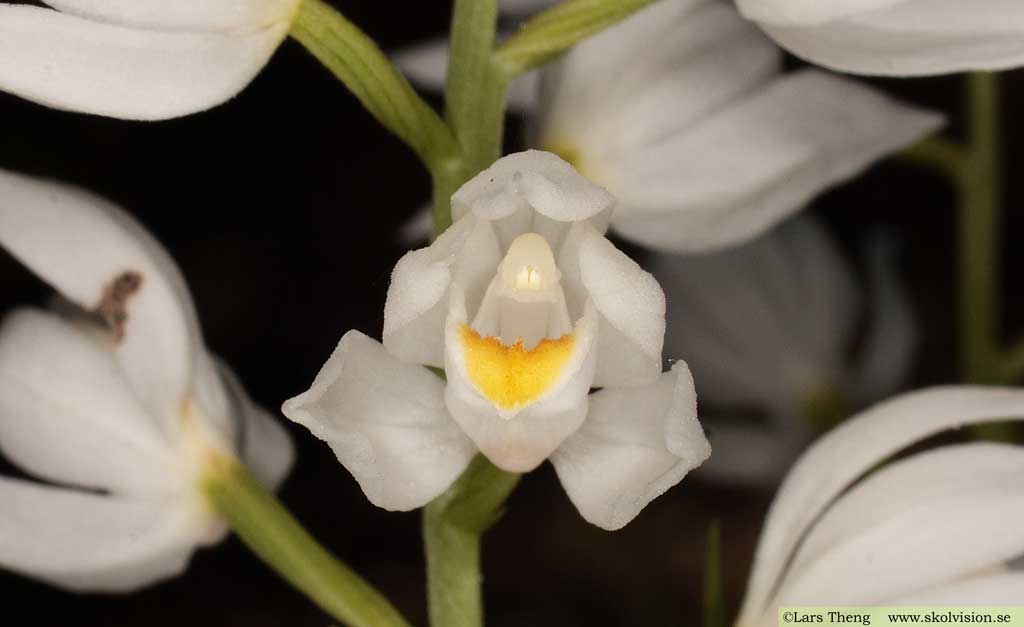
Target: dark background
281,208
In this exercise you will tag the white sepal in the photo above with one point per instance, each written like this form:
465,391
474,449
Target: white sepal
897,37
137,60
635,444
387,423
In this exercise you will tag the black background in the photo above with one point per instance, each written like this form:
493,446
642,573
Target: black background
281,208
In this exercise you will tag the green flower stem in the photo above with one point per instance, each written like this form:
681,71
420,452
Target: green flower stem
273,534
714,594
555,30
358,63
981,200
475,93
453,525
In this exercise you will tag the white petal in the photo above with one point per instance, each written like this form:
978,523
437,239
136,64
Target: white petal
198,15
631,307
765,325
755,163
520,442
849,451
386,421
914,37
96,543
71,63
266,448
101,259
990,590
531,179
67,413
878,543
417,303
426,65
634,445
891,344
808,11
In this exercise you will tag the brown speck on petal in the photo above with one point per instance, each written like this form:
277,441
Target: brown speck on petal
113,306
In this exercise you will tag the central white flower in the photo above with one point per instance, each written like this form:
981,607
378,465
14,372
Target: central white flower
527,307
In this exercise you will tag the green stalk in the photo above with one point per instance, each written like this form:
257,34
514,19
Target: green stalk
474,101
274,535
552,32
359,63
475,93
714,594
981,201
453,525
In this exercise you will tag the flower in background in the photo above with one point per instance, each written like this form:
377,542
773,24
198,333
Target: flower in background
114,402
937,528
769,329
527,307
896,37
683,112
138,59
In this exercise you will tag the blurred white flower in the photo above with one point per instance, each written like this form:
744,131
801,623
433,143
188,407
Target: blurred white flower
115,403
527,307
937,528
138,59
683,112
896,37
769,328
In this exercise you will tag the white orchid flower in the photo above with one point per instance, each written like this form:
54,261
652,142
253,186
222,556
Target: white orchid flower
683,112
937,528
138,59
117,405
896,37
768,327
527,307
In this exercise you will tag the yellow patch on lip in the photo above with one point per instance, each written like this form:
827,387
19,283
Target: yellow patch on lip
511,376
